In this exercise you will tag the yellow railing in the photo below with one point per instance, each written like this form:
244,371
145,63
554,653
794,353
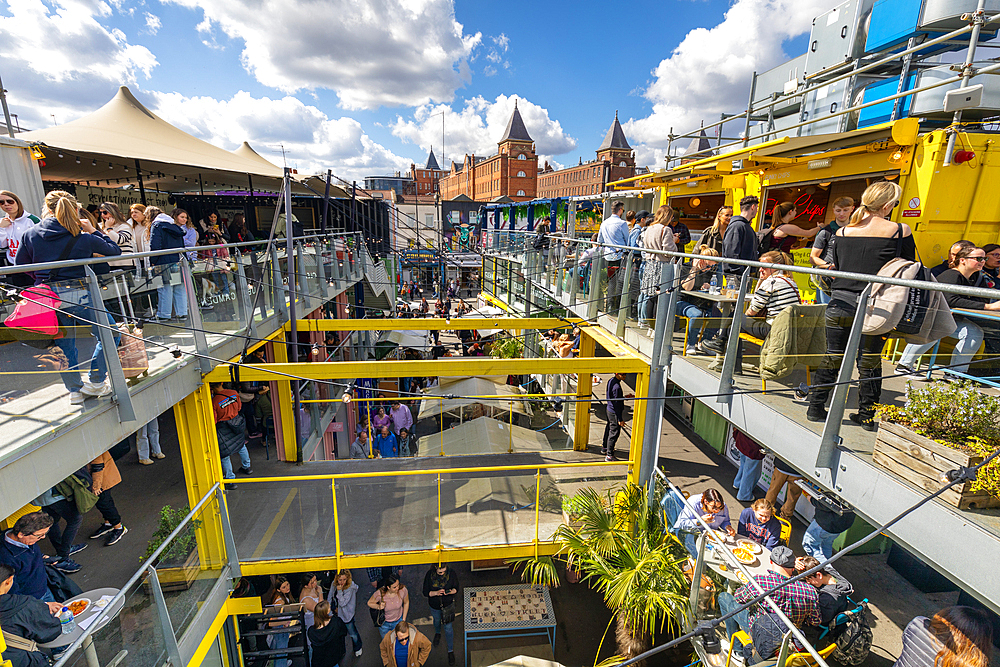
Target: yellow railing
477,510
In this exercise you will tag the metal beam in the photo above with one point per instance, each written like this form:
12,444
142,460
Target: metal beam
453,366
433,323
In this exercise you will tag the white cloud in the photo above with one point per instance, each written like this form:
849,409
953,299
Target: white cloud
311,140
497,54
709,72
479,125
153,23
370,52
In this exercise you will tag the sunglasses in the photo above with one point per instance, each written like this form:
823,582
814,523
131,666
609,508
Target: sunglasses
977,259
7,202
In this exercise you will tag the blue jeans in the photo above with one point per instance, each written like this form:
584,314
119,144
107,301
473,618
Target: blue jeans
740,621
62,538
449,630
76,301
47,596
822,297
170,297
818,543
386,628
969,336
147,439
280,642
696,316
690,543
352,630
227,465
747,477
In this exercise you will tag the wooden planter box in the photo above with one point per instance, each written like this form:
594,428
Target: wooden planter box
921,461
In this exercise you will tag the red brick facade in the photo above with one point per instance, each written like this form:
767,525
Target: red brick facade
615,160
512,172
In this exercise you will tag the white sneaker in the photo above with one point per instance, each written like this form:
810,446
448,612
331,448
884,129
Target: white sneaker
691,350
96,389
76,398
146,462
358,653
159,455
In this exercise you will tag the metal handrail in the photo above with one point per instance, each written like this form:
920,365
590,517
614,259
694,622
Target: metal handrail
146,565
865,277
46,266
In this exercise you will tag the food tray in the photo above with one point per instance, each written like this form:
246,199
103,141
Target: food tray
75,607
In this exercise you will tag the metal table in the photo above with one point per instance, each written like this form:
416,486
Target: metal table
516,610
89,652
760,566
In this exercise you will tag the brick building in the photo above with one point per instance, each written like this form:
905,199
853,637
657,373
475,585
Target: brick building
512,172
615,160
425,181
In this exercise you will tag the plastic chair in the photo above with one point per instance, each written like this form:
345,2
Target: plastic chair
845,617
794,659
786,530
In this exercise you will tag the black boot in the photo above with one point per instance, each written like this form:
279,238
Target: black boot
816,413
716,345
865,421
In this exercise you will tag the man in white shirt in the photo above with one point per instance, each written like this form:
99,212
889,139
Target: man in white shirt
614,231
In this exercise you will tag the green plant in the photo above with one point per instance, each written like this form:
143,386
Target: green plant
956,415
548,498
621,547
573,505
507,347
185,541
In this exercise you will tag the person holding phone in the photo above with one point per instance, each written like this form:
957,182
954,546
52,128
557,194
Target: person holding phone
440,589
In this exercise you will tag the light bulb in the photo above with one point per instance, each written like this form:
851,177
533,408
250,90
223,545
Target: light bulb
347,397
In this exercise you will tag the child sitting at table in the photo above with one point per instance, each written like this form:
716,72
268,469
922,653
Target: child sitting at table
758,523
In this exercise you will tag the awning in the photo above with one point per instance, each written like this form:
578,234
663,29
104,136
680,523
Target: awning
463,260
482,387
417,340
901,132
483,435
104,145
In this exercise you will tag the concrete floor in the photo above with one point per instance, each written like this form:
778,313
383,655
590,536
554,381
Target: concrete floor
581,615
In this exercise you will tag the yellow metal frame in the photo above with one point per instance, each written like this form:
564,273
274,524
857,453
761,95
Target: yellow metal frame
233,607
437,324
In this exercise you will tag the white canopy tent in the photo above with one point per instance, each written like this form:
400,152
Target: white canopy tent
482,387
483,435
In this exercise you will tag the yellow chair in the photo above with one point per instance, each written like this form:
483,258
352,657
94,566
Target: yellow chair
794,659
786,530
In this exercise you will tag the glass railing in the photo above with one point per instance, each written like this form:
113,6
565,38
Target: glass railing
721,331
163,611
404,511
155,313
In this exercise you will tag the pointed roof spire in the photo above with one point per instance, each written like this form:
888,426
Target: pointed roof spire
432,162
515,127
615,138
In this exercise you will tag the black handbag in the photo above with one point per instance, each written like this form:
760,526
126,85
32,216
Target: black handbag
448,613
378,615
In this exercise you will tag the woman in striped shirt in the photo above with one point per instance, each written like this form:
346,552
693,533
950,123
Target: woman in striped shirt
775,292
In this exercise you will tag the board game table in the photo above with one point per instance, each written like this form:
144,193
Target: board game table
515,610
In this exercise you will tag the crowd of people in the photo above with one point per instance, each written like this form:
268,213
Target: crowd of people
329,603
859,238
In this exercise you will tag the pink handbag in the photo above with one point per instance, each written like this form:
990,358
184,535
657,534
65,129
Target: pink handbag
37,315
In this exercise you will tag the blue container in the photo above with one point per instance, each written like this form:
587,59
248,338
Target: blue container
881,113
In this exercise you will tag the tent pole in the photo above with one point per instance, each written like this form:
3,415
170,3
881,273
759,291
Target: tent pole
250,183
201,186
293,334
6,111
326,203
142,187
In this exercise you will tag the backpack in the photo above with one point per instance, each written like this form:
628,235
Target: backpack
765,240
767,633
855,642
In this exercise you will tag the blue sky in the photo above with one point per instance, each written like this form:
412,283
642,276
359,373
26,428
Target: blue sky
360,86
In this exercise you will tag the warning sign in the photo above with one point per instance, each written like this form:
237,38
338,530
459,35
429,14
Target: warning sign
914,203
912,214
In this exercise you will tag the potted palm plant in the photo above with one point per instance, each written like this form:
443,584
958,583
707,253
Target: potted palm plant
941,427
621,548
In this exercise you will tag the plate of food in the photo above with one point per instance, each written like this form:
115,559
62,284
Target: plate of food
742,577
749,545
744,556
78,606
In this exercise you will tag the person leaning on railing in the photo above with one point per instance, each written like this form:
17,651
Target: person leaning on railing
62,236
166,233
657,237
965,265
864,246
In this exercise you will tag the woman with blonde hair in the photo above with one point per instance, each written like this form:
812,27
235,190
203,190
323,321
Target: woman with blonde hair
864,246
657,237
61,235
696,277
343,596
713,237
954,637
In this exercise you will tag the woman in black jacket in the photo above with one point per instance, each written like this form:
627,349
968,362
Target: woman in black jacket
326,637
60,236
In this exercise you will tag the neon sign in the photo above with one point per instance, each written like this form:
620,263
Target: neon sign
805,205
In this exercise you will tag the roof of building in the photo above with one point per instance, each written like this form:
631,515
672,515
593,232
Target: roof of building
615,138
515,128
432,162
698,144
